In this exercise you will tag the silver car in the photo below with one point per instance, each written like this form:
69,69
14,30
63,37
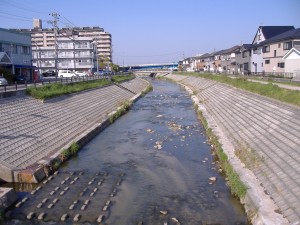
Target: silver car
3,81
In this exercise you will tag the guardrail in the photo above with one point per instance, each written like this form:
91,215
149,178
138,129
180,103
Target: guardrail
21,86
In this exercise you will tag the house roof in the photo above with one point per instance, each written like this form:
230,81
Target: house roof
204,56
296,50
247,46
271,31
230,50
291,34
4,58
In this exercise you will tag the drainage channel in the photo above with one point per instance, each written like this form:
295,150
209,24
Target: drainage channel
152,166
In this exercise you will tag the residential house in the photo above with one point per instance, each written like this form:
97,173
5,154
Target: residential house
15,53
228,59
263,33
209,62
217,62
200,65
292,62
243,59
274,49
195,62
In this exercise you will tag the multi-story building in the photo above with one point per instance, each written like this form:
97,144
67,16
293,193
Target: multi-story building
77,54
45,38
15,49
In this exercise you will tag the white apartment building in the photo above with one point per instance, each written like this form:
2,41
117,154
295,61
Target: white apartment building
76,54
45,38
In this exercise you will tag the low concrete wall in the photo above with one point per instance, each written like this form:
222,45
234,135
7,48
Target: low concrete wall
12,93
7,197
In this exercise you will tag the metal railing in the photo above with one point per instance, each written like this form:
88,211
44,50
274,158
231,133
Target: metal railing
67,80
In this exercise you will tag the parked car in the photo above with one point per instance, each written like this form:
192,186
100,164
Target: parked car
66,74
100,73
19,78
49,73
3,81
81,74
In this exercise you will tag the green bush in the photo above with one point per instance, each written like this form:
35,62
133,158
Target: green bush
121,78
74,148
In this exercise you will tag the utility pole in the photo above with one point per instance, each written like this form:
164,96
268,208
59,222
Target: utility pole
37,58
96,46
54,24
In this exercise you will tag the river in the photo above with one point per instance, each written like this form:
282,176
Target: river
160,150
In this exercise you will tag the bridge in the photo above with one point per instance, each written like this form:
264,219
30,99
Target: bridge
160,66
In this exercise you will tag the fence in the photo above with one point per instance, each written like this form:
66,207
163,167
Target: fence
22,86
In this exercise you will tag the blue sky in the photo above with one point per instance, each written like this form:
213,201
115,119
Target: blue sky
157,31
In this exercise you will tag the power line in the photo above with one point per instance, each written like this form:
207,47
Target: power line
11,18
69,21
18,6
15,15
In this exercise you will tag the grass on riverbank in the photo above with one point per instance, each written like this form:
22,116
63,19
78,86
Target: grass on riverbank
268,90
237,187
121,78
121,111
58,89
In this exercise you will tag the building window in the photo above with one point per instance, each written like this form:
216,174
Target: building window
296,44
259,37
279,45
280,65
266,49
275,53
287,45
25,50
267,61
255,51
244,54
14,48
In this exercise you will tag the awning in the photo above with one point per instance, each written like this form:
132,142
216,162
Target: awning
24,66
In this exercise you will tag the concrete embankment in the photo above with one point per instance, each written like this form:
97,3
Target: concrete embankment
264,133
33,133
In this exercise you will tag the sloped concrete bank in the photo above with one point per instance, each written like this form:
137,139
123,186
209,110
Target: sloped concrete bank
259,205
42,166
33,133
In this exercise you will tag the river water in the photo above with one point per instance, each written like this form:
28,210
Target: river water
161,146
160,149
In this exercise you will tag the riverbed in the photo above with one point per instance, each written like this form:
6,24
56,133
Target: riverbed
168,174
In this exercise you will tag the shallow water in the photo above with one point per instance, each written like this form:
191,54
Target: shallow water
161,149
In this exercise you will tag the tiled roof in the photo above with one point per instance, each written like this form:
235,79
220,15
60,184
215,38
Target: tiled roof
288,35
271,31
